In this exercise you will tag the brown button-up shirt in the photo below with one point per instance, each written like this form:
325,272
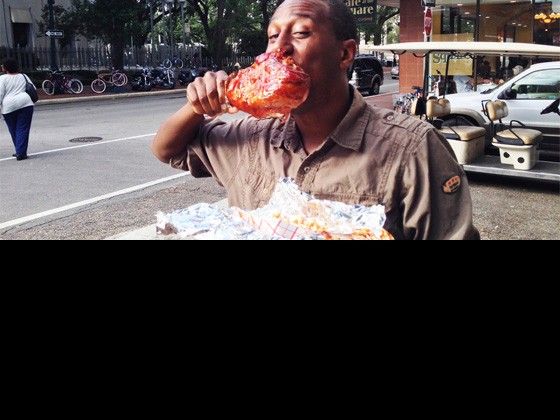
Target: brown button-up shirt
375,156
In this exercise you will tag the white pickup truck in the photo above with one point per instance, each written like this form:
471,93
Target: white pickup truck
526,95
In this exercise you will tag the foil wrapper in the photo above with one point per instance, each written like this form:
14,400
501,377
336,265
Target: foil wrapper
290,214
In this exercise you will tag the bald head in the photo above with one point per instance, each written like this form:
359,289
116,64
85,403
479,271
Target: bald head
341,17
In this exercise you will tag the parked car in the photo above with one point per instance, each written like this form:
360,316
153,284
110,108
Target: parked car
526,95
395,72
366,74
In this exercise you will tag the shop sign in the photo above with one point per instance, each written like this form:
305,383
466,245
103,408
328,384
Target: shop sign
365,11
462,66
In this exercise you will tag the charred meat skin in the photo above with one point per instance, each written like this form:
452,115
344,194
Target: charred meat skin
271,88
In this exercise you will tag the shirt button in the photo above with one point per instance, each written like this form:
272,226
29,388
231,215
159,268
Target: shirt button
390,118
265,191
306,169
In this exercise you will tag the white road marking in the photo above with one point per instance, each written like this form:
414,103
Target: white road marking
90,201
97,143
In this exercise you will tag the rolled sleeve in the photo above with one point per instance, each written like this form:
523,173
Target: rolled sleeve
216,152
436,202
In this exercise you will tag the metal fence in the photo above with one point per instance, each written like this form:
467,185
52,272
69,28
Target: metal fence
38,59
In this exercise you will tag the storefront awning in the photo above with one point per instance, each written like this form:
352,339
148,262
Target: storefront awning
21,15
473,48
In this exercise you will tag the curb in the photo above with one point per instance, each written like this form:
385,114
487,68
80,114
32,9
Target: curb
78,98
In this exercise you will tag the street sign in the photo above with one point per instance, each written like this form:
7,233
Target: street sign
428,22
54,33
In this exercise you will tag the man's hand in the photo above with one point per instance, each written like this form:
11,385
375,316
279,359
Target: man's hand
207,95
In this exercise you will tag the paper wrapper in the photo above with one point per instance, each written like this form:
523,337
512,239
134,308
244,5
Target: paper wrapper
290,214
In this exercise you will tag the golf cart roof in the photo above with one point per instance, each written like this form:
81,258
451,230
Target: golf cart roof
473,48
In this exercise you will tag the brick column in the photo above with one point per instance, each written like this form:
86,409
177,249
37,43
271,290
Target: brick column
412,30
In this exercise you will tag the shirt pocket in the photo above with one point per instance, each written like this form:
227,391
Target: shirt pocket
261,185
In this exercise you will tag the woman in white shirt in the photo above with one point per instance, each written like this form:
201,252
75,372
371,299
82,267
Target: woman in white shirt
16,106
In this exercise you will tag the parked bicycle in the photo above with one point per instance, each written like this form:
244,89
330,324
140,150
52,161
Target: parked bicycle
404,104
59,83
115,78
176,61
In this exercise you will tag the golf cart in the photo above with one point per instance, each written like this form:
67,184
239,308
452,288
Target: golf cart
520,116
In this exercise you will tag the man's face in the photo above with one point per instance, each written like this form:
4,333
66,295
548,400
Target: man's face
304,30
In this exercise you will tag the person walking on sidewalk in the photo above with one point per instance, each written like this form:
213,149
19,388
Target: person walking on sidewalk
16,106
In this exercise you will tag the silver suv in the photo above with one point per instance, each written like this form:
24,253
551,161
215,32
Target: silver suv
366,74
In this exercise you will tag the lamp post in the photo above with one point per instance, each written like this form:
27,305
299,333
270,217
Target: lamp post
182,3
151,4
54,64
170,9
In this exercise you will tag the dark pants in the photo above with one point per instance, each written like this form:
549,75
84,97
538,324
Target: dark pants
19,125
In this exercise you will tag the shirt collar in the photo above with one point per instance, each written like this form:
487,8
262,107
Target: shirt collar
349,133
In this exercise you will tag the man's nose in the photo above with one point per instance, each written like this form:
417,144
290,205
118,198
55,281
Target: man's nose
284,42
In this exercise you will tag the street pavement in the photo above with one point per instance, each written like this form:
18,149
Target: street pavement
503,209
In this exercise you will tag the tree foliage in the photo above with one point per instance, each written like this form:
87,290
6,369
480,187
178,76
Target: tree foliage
223,26
376,31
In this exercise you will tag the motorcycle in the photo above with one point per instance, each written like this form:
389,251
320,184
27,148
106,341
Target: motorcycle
162,77
141,80
187,76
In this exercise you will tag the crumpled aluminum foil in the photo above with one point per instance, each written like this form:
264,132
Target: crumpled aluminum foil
288,205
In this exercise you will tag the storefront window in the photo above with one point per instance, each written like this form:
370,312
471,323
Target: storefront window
527,21
454,20
506,21
546,19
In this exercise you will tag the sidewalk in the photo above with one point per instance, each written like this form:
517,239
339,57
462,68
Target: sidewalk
381,101
88,95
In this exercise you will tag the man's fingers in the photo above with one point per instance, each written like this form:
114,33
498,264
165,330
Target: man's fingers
207,95
192,96
221,78
212,87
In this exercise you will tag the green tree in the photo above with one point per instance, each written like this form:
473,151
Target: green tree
376,31
114,22
229,22
63,21
214,23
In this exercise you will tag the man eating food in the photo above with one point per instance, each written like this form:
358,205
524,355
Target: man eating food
333,145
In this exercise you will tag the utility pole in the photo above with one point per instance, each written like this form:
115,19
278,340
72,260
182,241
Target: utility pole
170,11
151,3
183,32
54,64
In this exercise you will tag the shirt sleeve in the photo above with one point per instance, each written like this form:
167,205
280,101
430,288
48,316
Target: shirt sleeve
436,202
2,92
217,152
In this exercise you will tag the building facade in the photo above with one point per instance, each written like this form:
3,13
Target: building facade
528,21
19,23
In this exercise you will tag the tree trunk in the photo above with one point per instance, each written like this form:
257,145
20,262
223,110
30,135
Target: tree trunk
117,52
265,14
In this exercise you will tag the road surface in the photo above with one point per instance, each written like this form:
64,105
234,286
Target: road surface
94,190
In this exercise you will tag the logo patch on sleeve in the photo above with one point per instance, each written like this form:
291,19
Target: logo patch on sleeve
452,185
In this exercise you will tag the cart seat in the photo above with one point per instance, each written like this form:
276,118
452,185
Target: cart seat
518,136
437,108
463,132
467,141
515,135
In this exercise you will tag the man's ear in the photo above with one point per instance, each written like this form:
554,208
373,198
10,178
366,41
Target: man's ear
348,54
